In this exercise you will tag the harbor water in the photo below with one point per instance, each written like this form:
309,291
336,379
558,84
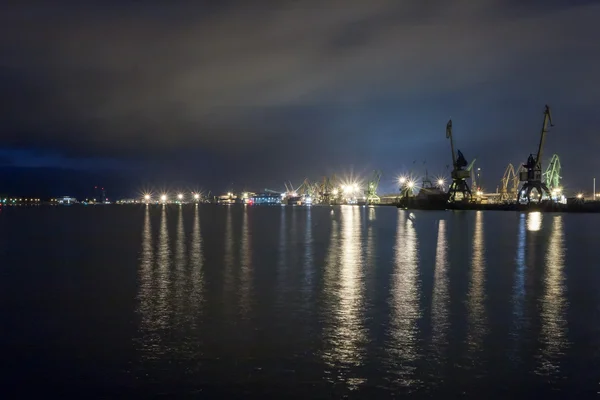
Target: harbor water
298,302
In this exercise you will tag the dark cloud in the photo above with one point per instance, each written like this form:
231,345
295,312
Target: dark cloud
325,83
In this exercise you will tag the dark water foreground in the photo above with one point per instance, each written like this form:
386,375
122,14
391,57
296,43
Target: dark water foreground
293,302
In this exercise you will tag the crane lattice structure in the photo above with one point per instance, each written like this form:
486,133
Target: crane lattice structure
552,175
307,189
460,173
532,175
509,177
372,185
289,189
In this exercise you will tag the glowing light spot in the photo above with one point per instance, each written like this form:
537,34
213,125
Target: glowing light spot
534,221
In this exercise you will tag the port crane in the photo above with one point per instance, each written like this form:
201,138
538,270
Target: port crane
509,177
373,184
289,190
307,188
552,175
531,175
324,190
460,173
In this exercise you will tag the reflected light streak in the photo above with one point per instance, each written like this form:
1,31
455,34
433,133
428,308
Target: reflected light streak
534,221
519,284
196,267
405,304
146,301
246,265
553,338
164,271
440,298
372,215
308,255
345,333
178,291
477,318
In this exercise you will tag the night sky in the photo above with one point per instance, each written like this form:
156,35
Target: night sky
178,94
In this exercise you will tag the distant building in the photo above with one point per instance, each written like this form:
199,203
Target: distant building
66,200
265,198
128,201
228,198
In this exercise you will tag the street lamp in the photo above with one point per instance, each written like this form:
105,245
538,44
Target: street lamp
196,196
163,198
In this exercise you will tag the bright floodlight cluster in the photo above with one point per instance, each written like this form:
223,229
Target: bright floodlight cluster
350,188
164,197
408,182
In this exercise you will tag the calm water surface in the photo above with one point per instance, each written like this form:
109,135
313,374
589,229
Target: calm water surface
299,302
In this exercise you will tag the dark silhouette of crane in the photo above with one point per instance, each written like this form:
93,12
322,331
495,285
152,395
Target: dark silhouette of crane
531,174
460,173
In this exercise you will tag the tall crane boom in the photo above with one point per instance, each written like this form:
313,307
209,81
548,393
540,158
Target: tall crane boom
531,172
540,152
449,136
459,174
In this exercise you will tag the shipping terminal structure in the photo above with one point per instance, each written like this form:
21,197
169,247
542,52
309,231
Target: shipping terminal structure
538,190
524,187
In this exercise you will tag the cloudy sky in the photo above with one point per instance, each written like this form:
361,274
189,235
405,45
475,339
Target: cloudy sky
253,93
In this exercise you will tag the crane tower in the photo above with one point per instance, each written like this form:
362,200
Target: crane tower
510,177
371,192
460,173
531,175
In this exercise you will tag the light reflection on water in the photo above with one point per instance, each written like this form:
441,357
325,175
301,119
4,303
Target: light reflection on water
534,221
518,296
245,266
196,272
477,317
179,283
330,287
308,265
440,299
404,305
163,273
553,304
146,300
344,288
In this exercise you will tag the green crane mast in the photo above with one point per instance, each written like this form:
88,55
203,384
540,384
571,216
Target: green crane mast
371,192
552,175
